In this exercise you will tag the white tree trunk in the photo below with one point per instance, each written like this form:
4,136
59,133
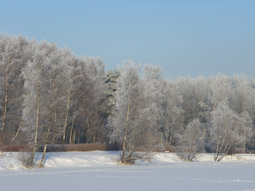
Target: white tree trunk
37,117
5,105
67,112
49,125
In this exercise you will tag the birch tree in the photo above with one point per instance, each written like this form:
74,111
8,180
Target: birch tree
192,141
172,113
225,130
53,78
31,110
14,53
125,118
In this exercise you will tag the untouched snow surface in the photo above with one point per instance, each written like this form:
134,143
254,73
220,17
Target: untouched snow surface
98,170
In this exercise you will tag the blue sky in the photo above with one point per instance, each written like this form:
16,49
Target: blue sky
186,38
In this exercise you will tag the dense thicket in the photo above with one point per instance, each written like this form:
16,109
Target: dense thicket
50,96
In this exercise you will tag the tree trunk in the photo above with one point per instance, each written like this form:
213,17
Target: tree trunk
43,156
123,157
223,146
87,131
171,135
54,128
67,112
37,116
124,148
5,105
20,126
49,124
74,136
71,132
17,133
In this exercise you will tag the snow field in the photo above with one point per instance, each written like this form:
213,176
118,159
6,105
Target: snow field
98,170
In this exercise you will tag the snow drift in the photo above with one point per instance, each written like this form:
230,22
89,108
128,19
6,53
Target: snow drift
104,158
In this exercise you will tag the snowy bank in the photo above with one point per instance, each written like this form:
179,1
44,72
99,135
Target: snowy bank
104,158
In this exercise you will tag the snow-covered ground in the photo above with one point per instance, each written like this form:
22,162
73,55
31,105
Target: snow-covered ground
98,170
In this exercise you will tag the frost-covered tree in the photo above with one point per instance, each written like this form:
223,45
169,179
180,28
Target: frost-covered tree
246,132
240,92
192,141
54,80
226,131
32,101
50,96
125,119
219,89
14,53
172,126
151,114
84,105
194,95
93,89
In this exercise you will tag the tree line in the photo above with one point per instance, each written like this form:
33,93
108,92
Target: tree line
50,96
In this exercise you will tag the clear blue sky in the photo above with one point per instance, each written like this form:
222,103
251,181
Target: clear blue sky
186,38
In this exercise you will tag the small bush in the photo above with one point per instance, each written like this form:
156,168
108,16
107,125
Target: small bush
126,160
26,158
186,156
131,158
